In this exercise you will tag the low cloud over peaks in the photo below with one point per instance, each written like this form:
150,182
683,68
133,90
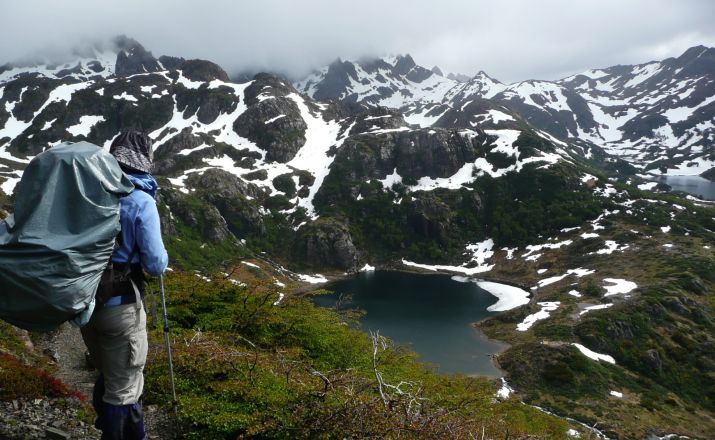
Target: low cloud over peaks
513,41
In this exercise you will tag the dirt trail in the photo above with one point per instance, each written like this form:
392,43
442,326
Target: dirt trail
67,348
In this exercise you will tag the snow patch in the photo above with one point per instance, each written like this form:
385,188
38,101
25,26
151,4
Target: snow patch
593,355
313,279
126,96
647,186
618,286
505,391
596,307
274,119
280,298
85,125
509,297
546,308
611,246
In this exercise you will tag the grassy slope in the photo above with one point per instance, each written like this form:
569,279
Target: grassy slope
515,210
292,370
670,314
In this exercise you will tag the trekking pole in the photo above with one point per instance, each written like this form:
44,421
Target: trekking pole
174,403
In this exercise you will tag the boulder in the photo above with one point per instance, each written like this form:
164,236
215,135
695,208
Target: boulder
651,358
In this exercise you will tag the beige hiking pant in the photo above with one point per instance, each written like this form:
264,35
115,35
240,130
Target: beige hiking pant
117,341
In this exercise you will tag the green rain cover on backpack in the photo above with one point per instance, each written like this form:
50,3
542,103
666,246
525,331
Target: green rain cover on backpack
55,246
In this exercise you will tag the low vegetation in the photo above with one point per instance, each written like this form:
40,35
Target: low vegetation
24,373
660,335
248,365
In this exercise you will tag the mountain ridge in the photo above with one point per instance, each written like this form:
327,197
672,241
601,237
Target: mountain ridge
632,111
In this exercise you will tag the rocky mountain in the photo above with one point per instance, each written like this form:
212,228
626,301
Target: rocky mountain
389,164
261,146
658,116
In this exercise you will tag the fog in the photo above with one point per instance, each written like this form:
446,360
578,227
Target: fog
511,40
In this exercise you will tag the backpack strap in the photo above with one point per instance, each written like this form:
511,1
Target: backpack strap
120,279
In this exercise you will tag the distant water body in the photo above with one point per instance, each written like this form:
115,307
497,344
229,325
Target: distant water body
698,186
432,314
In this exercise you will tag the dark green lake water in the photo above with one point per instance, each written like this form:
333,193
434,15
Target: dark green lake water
432,314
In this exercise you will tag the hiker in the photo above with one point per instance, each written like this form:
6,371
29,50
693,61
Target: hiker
116,333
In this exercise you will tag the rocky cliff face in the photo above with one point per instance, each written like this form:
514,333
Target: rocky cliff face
326,244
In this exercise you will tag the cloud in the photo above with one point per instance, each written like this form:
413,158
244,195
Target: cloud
511,41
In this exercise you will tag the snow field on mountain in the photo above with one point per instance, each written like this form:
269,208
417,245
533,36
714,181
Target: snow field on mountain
313,155
692,167
85,125
550,92
481,85
469,171
679,114
8,186
505,141
421,118
223,123
127,97
14,127
642,73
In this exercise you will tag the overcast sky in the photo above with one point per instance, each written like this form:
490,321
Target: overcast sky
510,40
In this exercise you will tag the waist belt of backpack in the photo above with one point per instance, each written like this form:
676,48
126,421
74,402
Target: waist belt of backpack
126,289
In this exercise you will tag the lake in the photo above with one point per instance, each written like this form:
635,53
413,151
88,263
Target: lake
698,186
433,314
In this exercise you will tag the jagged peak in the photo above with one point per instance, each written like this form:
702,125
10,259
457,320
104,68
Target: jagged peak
127,44
695,51
404,64
481,75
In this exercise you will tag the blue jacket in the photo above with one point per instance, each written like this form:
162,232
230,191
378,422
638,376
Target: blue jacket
139,219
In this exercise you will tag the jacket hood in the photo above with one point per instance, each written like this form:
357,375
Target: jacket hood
144,182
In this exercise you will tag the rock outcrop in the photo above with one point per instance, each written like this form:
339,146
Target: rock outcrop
326,244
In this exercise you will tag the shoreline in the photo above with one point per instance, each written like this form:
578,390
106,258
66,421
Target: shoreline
332,278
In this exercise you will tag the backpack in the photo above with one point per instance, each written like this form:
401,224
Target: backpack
57,243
